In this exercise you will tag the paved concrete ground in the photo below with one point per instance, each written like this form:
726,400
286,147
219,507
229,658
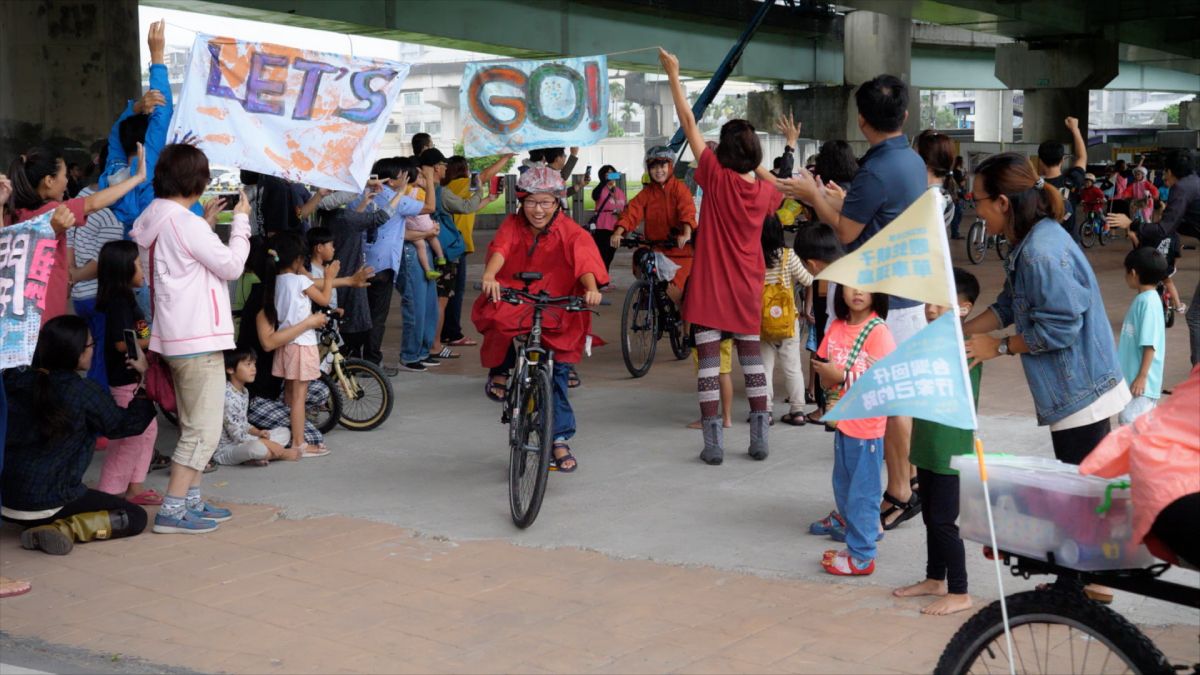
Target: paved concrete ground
650,560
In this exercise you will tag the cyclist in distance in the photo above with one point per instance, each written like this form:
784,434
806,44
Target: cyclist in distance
667,208
540,237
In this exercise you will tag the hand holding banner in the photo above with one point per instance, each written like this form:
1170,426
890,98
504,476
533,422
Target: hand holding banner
510,106
906,258
26,258
924,377
298,114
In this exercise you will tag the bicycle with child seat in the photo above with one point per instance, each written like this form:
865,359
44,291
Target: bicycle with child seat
648,312
1059,630
360,393
529,402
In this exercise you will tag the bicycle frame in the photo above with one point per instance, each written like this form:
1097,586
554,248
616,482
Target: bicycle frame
329,338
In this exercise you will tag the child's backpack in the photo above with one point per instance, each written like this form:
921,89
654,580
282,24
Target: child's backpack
779,306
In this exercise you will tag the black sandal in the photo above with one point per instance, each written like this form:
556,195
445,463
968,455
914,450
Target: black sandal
159,461
557,465
573,380
795,419
490,387
907,510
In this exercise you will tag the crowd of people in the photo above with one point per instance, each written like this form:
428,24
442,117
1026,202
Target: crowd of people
233,319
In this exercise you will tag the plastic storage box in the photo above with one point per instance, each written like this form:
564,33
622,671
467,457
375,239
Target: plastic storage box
1043,506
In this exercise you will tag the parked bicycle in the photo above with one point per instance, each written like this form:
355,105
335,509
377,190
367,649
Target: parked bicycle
529,403
979,241
1059,630
361,396
648,312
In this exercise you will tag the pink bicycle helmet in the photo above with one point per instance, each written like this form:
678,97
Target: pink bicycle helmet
540,178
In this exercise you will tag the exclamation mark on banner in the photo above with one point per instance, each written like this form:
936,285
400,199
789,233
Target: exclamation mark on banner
592,71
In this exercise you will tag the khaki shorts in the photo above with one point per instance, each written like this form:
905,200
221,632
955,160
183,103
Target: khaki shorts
200,397
726,357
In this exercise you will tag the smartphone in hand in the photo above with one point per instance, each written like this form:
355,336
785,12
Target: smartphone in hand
229,200
131,345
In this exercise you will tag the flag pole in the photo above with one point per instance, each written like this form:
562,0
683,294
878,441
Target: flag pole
987,501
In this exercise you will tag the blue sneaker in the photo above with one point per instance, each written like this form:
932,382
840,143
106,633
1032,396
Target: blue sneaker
838,533
213,513
187,522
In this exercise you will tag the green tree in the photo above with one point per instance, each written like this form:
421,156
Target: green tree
1172,113
945,118
481,163
615,130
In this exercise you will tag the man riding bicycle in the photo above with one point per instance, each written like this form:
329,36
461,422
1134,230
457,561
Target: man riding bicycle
666,206
540,237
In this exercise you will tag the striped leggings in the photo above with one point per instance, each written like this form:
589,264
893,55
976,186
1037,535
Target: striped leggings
708,385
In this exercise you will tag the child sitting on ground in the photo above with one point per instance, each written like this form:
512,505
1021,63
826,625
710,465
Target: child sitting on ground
241,443
857,338
1143,333
932,446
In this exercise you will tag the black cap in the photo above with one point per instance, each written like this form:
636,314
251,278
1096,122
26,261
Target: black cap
432,157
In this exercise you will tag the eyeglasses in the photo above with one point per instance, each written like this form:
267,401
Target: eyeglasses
540,203
89,345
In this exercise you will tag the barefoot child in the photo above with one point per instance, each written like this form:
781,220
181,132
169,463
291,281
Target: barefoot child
932,446
127,460
240,442
298,362
857,338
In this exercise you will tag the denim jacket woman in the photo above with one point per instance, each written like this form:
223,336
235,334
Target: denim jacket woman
1052,295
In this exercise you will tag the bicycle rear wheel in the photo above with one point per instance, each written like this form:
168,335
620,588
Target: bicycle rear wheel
1003,247
976,242
639,329
530,440
325,416
369,402
1053,631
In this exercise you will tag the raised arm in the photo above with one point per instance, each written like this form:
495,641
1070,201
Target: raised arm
495,168
1079,147
110,195
687,121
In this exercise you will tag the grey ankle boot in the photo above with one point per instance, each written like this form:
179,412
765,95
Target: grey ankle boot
759,423
714,441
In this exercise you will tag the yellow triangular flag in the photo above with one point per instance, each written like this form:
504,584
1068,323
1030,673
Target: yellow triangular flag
907,258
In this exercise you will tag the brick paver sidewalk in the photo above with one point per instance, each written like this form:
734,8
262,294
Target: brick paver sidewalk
269,594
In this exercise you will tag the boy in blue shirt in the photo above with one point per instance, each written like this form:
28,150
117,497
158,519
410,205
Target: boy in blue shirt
1143,332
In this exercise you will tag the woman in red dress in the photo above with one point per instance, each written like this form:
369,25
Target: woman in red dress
539,237
724,295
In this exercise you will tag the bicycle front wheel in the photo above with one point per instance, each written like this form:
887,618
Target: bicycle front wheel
976,242
639,329
680,346
370,398
1003,247
1087,234
1053,631
530,440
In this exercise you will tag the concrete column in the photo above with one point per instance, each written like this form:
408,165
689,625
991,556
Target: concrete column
875,44
993,116
66,69
1056,79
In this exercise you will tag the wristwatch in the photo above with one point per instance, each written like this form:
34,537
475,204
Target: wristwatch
1003,348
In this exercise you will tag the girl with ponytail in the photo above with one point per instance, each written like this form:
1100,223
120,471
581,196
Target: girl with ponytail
1051,295
39,184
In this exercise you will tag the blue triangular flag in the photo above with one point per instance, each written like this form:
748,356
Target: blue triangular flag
926,377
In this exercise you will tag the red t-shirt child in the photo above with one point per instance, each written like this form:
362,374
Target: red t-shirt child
563,253
726,284
58,288
839,341
1092,199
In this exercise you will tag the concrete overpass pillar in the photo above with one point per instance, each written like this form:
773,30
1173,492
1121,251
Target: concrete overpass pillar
993,116
66,69
874,44
1056,80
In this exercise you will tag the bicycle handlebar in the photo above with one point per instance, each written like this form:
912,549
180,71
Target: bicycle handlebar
637,241
516,296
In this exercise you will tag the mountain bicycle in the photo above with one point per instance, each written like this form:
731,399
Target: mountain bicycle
360,391
529,402
648,311
1059,630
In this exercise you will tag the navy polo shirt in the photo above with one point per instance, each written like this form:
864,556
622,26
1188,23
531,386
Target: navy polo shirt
890,177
